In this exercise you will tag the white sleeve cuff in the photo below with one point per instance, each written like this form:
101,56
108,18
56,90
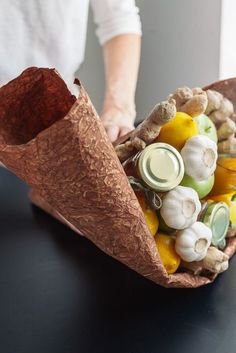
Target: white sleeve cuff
117,26
115,17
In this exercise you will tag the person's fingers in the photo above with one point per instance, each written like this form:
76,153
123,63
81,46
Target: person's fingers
124,130
112,132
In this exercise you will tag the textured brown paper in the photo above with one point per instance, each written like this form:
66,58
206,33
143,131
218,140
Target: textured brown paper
57,144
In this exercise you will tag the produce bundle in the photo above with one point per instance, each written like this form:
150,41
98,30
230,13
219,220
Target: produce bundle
176,163
159,209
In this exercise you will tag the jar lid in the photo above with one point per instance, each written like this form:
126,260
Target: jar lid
161,167
217,218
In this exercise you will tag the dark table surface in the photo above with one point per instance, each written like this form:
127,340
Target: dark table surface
60,294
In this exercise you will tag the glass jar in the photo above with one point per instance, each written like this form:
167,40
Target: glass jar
225,175
216,216
159,166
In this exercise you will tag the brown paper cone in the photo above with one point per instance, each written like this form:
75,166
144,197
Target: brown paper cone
57,145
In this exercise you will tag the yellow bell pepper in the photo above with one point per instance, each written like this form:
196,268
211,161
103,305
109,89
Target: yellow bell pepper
149,214
230,200
166,248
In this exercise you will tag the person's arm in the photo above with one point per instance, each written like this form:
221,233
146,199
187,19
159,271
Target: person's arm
121,59
119,32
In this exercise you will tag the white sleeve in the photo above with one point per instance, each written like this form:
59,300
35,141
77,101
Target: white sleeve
114,17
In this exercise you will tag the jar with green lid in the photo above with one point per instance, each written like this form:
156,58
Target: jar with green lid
216,216
160,167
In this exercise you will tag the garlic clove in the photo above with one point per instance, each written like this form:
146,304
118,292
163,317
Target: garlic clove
192,243
180,207
199,155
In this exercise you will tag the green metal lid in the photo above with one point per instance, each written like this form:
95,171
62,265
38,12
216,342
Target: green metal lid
216,217
161,166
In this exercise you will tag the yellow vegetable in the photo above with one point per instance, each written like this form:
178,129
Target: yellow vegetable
178,130
168,255
230,200
149,214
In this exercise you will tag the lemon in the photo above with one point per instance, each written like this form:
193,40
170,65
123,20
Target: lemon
166,248
178,130
149,214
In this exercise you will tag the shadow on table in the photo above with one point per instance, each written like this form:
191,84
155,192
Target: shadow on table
134,305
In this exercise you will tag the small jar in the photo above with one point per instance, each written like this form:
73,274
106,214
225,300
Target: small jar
160,167
216,216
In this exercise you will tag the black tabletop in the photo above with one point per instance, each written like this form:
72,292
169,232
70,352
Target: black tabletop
60,294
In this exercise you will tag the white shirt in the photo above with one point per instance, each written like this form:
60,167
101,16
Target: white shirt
52,33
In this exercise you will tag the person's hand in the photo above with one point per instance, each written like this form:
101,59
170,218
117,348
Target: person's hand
117,121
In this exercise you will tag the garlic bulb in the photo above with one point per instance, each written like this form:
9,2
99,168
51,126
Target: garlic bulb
180,207
192,243
200,155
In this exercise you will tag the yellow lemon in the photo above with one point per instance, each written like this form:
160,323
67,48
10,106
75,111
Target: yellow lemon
168,255
178,130
149,214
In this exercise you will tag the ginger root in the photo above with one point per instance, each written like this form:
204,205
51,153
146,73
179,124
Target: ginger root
233,117
231,232
219,108
227,146
216,261
148,130
221,111
190,101
214,101
226,130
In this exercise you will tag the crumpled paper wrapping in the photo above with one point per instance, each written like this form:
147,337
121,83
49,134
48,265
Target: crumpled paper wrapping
57,144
